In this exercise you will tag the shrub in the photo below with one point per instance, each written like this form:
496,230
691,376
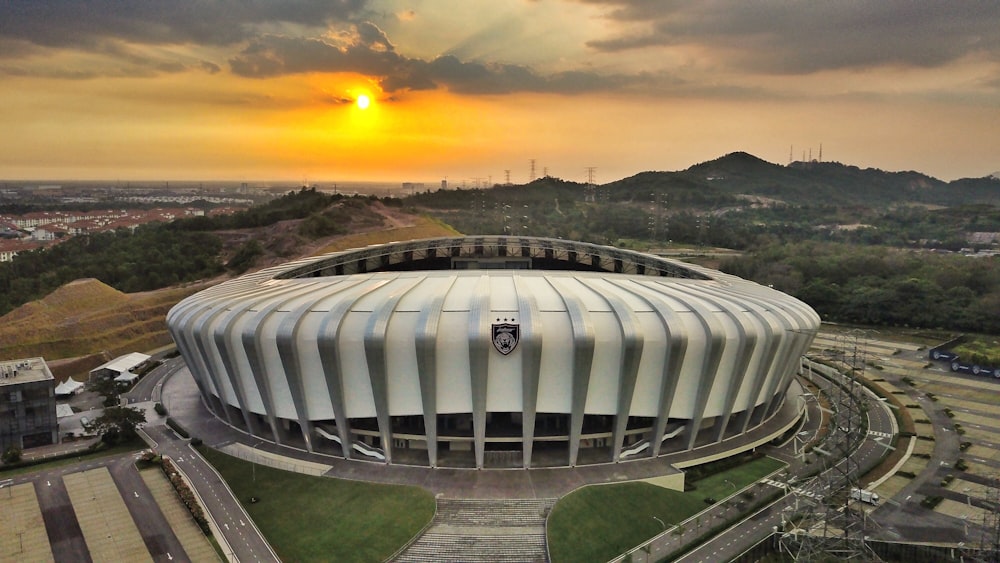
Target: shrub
12,454
186,496
177,428
931,501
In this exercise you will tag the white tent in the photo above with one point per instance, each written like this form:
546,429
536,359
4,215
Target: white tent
127,377
69,387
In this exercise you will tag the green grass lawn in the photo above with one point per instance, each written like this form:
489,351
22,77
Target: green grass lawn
601,522
308,518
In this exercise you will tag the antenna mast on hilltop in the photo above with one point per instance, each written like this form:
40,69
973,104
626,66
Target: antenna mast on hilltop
532,175
790,149
821,152
506,176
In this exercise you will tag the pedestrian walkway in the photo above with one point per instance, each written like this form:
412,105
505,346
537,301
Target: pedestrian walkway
474,530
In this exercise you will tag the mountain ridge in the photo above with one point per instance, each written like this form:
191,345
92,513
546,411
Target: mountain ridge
806,183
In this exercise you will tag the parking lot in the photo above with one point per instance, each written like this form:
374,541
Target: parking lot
97,510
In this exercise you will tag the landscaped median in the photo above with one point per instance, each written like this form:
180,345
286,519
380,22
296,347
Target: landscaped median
307,518
600,522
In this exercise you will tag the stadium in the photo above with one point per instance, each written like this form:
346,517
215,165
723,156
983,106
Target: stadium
492,352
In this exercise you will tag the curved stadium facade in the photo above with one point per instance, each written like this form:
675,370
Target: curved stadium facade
492,351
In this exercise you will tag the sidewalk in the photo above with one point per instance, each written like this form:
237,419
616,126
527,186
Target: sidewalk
81,445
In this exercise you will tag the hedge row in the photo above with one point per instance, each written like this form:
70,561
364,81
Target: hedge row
186,495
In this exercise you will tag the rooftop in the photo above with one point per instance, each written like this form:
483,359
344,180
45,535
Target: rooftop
28,370
123,363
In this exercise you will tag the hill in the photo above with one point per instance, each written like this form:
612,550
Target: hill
90,322
86,317
808,183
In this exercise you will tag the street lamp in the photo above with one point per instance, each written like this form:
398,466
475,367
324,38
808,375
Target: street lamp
253,462
661,523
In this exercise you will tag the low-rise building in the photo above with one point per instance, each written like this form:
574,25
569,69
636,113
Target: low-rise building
27,404
120,369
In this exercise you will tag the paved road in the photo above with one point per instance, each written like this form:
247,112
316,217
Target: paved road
245,541
148,388
146,512
65,535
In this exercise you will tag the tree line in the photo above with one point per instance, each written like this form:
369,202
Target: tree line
874,285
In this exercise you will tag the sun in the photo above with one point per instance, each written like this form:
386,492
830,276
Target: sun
363,101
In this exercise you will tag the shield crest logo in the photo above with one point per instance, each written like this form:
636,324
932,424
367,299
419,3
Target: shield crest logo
505,337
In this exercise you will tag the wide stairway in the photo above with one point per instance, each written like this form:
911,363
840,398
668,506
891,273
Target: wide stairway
487,531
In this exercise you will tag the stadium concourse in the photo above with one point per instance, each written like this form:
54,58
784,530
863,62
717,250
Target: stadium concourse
495,352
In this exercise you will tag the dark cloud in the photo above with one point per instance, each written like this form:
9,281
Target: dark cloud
86,23
367,50
786,36
210,67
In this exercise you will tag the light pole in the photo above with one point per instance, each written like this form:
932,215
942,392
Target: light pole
253,463
664,526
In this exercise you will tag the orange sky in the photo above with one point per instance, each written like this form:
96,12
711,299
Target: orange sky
466,90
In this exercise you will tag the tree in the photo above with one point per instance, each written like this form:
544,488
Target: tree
107,387
12,454
118,423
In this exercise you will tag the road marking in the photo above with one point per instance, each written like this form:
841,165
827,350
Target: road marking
170,557
136,494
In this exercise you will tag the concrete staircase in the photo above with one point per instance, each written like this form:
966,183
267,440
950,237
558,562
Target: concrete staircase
487,531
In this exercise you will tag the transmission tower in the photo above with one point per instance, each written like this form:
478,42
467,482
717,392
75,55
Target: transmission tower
532,175
506,176
989,542
657,225
835,527
591,189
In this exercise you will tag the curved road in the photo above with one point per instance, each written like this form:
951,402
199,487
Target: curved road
239,536
756,527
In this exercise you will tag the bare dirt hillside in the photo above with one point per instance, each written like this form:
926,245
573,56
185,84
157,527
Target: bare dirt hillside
85,323
87,317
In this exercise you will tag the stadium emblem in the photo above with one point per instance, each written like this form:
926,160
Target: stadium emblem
505,337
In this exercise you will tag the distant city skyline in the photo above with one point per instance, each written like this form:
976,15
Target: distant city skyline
385,90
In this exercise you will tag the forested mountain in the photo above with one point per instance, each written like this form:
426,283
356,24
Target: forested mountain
860,245
806,183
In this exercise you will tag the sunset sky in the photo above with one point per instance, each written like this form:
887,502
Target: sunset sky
254,90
